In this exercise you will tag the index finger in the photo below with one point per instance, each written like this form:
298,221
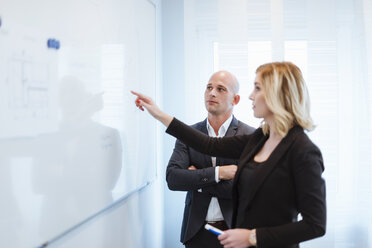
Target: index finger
136,93
142,96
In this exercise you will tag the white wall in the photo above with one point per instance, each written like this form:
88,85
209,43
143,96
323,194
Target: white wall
174,103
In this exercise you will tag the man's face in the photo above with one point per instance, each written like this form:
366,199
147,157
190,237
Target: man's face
219,94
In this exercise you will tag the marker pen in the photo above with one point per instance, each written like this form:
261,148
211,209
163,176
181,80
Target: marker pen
213,229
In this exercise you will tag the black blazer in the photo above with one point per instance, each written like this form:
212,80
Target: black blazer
289,184
180,178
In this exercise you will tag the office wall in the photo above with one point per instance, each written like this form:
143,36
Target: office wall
71,142
173,92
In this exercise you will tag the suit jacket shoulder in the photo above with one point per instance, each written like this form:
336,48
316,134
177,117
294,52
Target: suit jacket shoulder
244,128
236,125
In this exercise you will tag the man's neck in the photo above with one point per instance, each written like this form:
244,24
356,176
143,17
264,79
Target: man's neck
216,121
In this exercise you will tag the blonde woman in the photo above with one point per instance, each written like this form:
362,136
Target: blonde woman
279,173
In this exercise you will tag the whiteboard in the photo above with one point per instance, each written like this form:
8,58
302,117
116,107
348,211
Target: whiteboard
71,140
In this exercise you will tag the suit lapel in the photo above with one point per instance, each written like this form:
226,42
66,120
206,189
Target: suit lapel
256,182
203,128
253,146
231,131
233,128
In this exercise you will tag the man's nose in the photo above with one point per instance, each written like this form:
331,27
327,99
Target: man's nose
212,92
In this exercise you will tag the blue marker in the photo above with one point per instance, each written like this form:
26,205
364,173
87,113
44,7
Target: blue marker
53,44
57,45
213,229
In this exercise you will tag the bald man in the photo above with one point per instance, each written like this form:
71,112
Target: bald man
208,180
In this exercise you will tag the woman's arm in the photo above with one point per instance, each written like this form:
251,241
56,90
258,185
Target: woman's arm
229,147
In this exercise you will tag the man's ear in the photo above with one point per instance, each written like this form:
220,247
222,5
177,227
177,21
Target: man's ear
236,99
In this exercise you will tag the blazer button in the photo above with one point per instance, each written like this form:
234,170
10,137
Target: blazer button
205,179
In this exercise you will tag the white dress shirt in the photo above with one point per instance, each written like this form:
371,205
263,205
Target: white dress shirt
214,210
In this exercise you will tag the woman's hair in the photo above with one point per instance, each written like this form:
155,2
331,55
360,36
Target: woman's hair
286,96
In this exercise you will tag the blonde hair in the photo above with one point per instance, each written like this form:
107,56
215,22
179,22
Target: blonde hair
286,96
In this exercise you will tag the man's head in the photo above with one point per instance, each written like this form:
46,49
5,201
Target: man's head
221,93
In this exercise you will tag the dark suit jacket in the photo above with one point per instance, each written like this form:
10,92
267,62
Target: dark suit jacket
180,178
289,184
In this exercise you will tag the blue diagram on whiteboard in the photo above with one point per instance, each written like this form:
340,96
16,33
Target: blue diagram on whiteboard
28,71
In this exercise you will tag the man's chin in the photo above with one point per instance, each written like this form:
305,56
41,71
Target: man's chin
212,111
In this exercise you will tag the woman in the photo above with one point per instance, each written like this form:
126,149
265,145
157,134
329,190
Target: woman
279,173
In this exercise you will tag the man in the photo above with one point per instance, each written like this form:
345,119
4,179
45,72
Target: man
208,180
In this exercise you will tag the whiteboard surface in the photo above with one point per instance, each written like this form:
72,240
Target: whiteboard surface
71,140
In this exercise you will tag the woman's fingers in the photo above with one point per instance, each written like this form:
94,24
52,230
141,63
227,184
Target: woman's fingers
141,100
145,102
136,93
142,97
139,104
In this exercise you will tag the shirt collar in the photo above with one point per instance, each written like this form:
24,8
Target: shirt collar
223,129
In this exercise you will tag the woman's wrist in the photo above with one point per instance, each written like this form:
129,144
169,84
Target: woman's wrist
252,238
165,118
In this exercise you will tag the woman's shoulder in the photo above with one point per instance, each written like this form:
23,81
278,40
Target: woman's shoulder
304,152
301,141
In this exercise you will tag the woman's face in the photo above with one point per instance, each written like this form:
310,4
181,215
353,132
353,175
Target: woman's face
260,108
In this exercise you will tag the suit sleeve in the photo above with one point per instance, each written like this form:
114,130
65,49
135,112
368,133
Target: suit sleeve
180,178
307,168
228,147
222,190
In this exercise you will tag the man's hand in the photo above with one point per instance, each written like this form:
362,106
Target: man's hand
192,167
227,172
